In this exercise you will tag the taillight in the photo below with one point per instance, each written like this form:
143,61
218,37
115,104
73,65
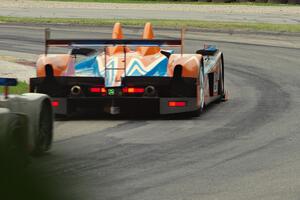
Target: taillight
177,104
103,90
55,103
132,90
97,90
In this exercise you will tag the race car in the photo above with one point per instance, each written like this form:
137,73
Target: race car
129,75
26,121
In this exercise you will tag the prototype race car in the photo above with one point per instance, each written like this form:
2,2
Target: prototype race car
129,75
26,121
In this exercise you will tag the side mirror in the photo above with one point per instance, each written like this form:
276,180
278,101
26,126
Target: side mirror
6,82
208,50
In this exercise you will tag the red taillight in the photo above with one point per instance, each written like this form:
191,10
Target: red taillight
133,90
177,103
97,90
55,103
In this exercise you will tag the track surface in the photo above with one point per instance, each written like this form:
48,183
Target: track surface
246,148
237,13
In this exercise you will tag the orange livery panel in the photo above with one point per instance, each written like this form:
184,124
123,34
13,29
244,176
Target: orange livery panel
60,63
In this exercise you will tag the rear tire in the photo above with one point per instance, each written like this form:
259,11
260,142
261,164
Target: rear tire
197,112
15,149
222,83
45,129
221,90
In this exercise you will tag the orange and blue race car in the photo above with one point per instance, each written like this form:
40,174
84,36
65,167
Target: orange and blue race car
129,75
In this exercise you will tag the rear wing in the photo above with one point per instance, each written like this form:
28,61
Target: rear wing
109,42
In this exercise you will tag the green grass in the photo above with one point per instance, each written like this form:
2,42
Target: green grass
175,2
160,23
22,87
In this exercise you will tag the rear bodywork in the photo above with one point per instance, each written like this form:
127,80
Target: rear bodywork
129,76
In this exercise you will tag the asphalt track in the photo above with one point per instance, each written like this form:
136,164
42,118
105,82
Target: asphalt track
245,148
263,14
148,14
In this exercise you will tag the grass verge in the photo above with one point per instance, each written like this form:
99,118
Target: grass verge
21,88
216,25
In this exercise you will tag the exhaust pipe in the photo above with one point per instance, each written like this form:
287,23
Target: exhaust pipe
150,91
75,90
